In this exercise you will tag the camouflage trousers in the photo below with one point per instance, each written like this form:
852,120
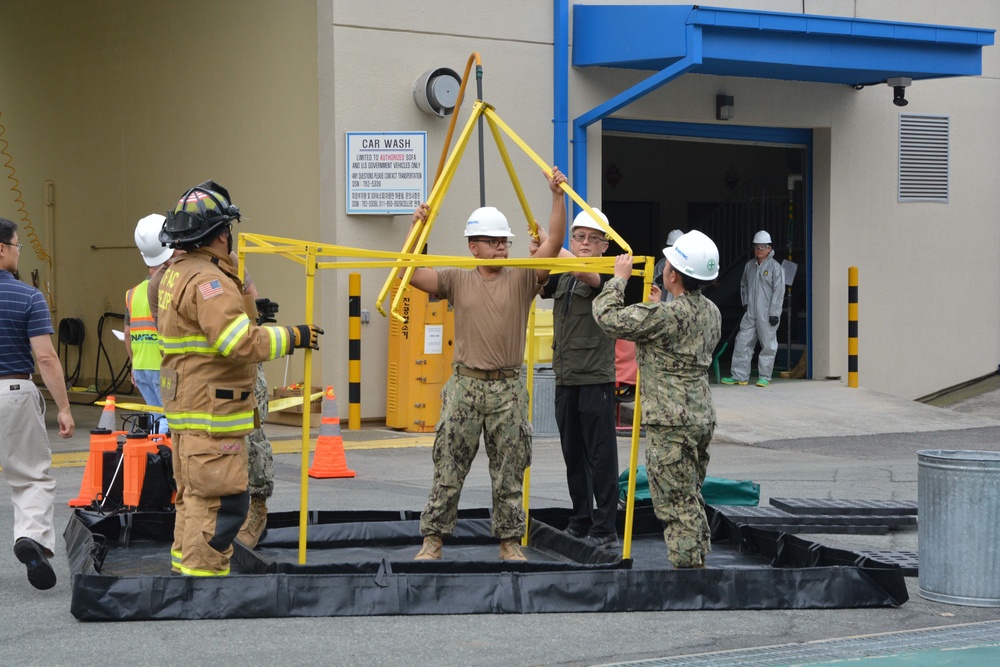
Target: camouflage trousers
497,410
676,464
260,466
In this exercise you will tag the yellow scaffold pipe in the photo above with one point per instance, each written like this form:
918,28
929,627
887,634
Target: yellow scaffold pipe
494,118
417,236
633,459
498,138
458,105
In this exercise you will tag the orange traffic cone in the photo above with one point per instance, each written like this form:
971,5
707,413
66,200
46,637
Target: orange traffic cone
329,460
107,420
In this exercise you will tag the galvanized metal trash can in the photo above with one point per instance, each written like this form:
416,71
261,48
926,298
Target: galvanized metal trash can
958,514
543,409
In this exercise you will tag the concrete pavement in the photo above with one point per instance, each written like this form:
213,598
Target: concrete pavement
795,438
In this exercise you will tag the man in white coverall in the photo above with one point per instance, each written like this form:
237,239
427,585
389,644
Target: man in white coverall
762,291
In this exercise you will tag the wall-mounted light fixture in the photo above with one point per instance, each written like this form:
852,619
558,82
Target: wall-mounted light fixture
899,85
725,107
436,91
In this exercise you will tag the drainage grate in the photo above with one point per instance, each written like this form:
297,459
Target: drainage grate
845,506
773,516
971,636
907,560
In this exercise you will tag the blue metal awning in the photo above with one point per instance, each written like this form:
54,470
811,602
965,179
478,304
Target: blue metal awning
772,45
673,40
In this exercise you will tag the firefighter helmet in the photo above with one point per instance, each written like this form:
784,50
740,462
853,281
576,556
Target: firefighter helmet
199,216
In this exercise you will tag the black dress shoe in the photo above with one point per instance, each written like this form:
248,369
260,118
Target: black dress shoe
40,572
606,542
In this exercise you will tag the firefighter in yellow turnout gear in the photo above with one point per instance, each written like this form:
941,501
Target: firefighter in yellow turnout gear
210,351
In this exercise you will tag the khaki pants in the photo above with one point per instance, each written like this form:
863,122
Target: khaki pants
212,501
26,455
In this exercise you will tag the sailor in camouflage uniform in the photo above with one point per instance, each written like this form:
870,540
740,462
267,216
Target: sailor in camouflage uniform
486,395
674,345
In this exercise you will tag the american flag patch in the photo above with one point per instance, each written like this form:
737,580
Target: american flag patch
211,289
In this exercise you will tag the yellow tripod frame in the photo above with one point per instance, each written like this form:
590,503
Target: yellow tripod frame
418,234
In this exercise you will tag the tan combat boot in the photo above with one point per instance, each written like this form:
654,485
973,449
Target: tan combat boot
431,550
510,549
255,523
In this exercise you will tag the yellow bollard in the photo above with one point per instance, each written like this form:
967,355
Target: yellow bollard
354,352
852,327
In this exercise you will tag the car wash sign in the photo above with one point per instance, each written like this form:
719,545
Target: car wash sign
386,172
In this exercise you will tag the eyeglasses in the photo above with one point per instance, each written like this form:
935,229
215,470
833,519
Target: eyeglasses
14,245
495,242
580,237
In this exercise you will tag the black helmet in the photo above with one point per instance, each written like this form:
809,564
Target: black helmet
199,216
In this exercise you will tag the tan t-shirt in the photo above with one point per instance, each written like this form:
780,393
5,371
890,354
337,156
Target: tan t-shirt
491,315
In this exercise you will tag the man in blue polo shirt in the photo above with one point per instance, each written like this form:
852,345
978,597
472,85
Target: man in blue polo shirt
25,453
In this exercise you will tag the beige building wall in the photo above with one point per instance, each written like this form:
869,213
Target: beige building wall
377,50
124,105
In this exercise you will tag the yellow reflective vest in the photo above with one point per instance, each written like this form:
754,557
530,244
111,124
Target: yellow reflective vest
142,330
210,347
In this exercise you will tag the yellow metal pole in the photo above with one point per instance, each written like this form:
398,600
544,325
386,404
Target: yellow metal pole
354,352
306,406
852,327
418,234
633,459
498,138
241,245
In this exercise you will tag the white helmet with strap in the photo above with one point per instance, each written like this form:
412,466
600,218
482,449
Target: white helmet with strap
673,236
488,221
762,238
695,255
147,240
583,219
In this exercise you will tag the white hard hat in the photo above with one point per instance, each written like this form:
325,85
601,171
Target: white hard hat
487,221
147,239
673,236
762,238
583,219
694,254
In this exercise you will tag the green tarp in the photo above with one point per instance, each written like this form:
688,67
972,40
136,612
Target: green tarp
715,490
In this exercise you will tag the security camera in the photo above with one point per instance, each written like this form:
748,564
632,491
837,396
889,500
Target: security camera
899,85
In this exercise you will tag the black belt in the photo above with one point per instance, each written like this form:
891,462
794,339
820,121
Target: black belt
15,376
499,374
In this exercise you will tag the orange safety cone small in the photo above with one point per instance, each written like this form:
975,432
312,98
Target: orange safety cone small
107,420
329,460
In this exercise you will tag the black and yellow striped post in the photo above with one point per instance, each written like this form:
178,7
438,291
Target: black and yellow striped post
354,352
852,327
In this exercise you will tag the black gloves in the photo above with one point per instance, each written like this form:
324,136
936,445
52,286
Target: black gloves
773,320
306,335
266,310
